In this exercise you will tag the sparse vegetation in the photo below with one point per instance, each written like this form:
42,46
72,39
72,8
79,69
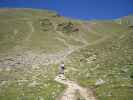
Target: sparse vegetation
46,25
67,28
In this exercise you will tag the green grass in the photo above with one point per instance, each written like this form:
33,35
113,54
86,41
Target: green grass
107,55
22,84
113,64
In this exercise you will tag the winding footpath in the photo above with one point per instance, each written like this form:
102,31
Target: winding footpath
73,88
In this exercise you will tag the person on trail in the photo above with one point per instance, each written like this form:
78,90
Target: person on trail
62,68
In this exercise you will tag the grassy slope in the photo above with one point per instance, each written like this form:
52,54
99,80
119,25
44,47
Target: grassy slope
108,46
15,26
16,29
111,61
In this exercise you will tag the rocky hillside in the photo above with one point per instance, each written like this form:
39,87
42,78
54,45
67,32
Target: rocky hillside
34,42
127,21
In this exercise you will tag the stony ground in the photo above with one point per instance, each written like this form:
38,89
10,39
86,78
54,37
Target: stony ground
73,88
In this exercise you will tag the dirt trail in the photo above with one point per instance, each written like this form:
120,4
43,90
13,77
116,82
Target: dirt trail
73,88
32,30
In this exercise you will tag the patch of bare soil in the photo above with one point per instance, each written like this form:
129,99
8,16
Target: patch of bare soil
73,88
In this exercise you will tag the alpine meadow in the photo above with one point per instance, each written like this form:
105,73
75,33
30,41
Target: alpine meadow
97,54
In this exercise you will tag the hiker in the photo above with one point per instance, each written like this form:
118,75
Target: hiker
62,68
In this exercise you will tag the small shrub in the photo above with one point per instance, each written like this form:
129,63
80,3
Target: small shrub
130,26
46,24
67,27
